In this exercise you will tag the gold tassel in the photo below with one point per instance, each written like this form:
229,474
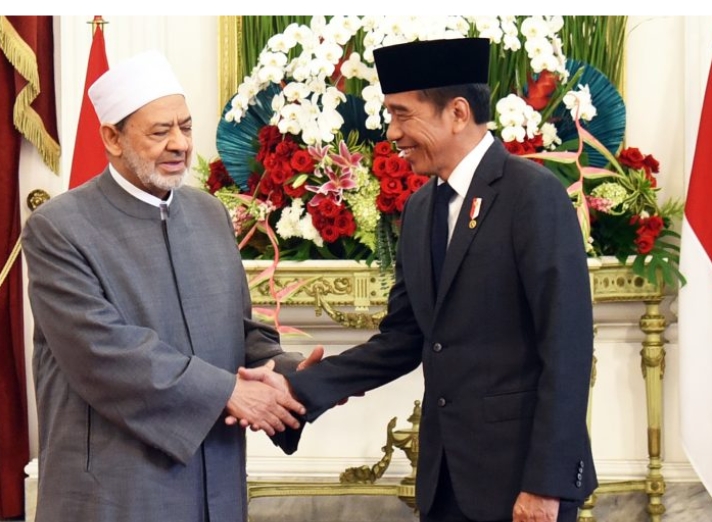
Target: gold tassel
25,118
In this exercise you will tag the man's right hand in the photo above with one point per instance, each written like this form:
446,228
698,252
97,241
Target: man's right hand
263,407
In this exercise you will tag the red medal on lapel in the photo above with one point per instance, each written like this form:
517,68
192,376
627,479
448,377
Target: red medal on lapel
475,211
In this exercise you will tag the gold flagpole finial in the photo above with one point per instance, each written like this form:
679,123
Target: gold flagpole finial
97,21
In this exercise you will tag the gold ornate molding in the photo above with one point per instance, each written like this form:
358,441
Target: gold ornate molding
229,57
362,288
330,284
612,281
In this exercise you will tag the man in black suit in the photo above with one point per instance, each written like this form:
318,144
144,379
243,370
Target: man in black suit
502,326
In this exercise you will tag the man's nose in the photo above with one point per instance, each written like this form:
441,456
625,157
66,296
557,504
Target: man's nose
178,140
393,133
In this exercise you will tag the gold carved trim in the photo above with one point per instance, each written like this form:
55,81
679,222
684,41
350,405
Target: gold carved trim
364,289
339,283
229,57
612,281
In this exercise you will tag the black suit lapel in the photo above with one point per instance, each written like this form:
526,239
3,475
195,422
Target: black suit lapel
489,169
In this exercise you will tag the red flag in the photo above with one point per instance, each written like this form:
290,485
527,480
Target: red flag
89,158
695,304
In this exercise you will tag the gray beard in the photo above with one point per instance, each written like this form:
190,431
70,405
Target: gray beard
151,177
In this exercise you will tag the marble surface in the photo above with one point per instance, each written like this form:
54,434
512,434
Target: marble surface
685,502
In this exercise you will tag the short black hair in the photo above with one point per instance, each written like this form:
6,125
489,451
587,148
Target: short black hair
477,96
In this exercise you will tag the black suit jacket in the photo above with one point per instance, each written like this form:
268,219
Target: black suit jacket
506,345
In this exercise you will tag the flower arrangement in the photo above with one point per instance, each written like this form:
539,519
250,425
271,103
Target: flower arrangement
627,220
306,172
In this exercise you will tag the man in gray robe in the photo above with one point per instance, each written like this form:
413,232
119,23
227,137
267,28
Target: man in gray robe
142,319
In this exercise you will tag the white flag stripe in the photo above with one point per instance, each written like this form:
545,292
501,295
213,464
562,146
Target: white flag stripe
695,338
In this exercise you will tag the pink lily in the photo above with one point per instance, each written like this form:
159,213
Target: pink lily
336,185
345,158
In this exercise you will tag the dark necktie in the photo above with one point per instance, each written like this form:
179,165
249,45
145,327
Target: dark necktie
439,231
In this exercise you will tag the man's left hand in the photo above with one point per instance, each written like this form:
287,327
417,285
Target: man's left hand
535,508
267,375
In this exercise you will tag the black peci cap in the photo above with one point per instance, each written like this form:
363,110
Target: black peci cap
429,64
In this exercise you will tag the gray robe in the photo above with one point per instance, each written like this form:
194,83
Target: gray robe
133,371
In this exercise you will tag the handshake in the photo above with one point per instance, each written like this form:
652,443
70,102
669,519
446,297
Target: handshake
262,399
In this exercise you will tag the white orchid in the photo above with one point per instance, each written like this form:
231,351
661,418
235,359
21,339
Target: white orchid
281,43
304,59
580,104
549,135
517,120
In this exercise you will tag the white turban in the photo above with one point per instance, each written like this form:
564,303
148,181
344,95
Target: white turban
130,85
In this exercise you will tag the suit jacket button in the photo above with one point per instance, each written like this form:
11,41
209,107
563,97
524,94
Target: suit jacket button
442,402
579,476
578,483
437,347
581,465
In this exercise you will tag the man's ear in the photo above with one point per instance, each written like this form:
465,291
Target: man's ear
110,136
461,113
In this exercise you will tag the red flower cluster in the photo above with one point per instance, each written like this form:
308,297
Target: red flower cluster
647,231
218,177
333,220
528,146
398,182
633,158
282,160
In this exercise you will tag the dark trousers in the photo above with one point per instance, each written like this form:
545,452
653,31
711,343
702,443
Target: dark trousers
445,508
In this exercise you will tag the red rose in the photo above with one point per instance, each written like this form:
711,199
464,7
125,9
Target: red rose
651,164
269,136
281,172
536,143
632,157
270,160
295,192
218,177
382,148
286,147
329,233
391,186
302,162
345,224
514,147
396,167
329,208
415,181
386,203
644,243
401,199
655,225
277,198
266,185
379,166
318,220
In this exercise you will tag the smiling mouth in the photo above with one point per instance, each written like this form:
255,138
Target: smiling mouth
404,152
